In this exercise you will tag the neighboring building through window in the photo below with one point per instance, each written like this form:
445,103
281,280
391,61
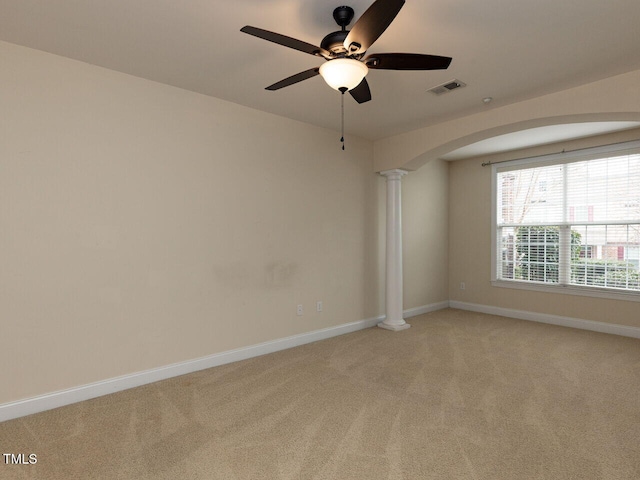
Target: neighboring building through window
570,220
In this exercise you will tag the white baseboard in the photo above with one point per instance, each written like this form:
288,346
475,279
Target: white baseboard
413,312
60,398
602,327
52,400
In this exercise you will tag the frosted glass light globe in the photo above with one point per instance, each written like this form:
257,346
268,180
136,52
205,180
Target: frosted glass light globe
341,73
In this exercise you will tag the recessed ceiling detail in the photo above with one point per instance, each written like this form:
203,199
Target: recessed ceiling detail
537,136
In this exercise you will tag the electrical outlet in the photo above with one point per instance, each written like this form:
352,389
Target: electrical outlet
299,310
319,306
462,286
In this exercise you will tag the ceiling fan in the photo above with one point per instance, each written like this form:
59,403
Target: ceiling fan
345,50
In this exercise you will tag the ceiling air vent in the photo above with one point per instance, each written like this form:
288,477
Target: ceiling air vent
447,87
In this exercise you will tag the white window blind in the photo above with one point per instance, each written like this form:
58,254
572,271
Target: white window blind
570,221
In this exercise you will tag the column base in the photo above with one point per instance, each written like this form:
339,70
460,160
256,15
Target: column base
394,328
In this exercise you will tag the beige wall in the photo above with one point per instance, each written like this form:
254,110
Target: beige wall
144,225
425,214
470,244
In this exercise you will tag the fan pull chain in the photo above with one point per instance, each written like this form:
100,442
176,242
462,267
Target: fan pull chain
342,118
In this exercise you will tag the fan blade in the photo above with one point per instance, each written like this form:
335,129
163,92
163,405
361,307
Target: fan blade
287,41
371,25
407,61
298,77
361,93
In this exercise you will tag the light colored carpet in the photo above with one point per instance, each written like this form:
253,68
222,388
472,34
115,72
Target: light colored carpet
459,395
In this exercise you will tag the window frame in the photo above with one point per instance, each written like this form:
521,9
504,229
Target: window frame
593,153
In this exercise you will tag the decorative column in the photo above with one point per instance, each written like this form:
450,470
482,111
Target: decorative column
394,320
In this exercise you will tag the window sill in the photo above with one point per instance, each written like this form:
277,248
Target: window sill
569,290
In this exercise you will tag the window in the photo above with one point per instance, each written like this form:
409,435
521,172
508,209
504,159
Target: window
569,221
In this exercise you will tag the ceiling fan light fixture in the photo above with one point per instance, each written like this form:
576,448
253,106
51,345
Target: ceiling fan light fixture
343,73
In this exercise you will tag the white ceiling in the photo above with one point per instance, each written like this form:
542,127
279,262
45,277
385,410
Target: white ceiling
509,50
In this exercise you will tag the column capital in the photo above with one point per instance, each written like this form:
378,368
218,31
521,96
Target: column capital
394,174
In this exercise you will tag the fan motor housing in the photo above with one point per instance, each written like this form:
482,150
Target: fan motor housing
334,42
